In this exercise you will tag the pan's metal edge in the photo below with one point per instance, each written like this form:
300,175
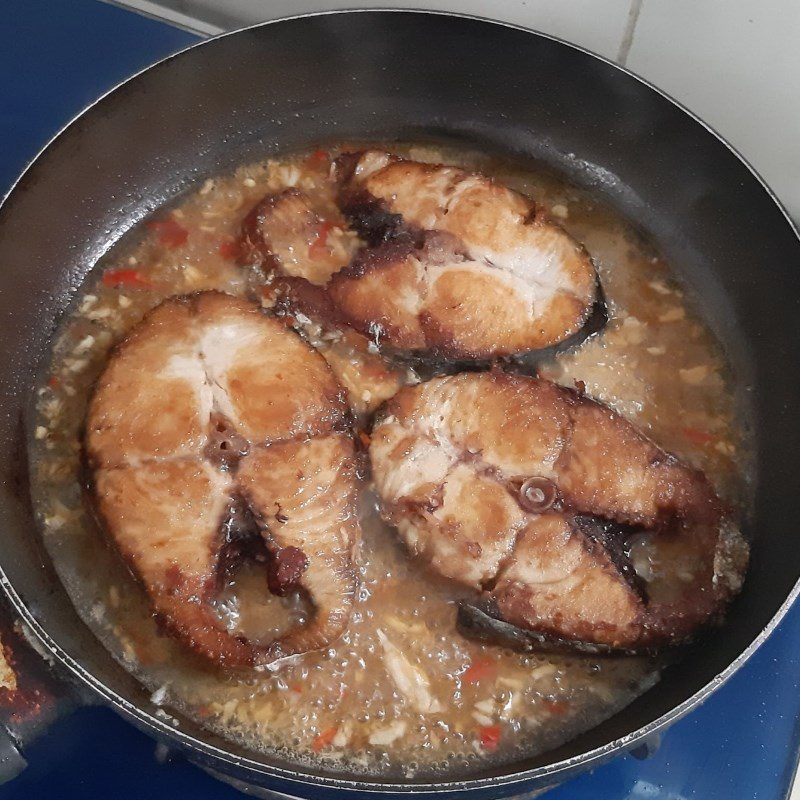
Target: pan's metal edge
552,771
168,16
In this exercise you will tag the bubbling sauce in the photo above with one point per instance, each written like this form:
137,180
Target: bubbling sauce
401,692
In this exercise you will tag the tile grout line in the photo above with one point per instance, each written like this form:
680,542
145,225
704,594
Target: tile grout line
630,29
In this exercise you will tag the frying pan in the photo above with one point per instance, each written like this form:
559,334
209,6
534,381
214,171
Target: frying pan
377,75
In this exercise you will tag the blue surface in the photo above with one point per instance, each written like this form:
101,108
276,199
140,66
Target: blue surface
54,58
737,746
57,56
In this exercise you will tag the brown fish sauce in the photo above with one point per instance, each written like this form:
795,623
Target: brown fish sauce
654,362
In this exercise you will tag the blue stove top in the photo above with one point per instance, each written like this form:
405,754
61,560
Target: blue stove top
55,57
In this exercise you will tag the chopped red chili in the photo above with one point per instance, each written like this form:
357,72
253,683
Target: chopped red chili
131,278
556,707
319,249
324,739
490,736
170,232
698,437
318,159
229,248
478,670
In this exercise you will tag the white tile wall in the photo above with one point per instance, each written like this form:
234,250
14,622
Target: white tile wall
736,63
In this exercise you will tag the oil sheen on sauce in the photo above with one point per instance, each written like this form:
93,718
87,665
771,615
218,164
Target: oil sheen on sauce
656,363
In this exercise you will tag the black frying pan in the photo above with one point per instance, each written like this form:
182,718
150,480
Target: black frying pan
361,75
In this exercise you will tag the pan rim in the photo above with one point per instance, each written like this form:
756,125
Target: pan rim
552,772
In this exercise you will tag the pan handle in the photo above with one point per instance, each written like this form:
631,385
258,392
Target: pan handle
32,696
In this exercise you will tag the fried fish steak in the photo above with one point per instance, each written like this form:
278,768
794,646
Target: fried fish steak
213,430
455,265
474,269
537,497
